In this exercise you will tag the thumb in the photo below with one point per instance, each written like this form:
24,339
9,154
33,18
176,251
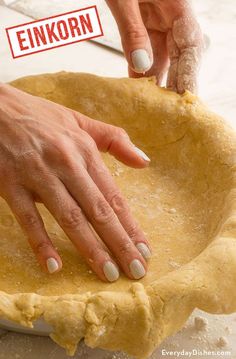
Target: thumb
134,36
114,140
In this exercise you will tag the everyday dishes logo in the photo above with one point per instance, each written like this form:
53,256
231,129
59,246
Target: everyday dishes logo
55,31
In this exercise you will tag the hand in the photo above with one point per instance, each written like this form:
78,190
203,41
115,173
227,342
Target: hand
160,36
49,153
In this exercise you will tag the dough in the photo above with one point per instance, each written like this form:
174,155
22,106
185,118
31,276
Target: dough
185,202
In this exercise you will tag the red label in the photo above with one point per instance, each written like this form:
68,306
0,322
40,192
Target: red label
55,31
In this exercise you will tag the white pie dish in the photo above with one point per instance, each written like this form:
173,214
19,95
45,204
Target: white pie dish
40,327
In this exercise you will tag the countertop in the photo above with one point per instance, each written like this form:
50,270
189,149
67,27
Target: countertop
217,88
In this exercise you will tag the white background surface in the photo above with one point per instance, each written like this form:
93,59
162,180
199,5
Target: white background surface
217,88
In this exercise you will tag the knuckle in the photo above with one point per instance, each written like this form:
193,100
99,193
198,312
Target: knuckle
24,118
121,132
41,247
29,220
65,158
59,148
28,156
72,219
134,34
125,248
30,159
101,212
62,156
117,203
89,147
132,231
37,166
94,254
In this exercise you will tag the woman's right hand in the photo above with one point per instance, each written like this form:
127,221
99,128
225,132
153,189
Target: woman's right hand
49,153
160,37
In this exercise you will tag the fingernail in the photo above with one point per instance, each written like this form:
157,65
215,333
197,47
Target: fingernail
137,269
52,265
141,60
111,272
142,154
144,250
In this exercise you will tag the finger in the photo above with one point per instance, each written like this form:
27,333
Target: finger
186,39
174,54
114,140
22,205
105,222
160,57
103,179
73,222
134,36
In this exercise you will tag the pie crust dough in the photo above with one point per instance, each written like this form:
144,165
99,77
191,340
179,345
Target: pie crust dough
185,202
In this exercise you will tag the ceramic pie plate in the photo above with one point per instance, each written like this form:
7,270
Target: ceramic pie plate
40,327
